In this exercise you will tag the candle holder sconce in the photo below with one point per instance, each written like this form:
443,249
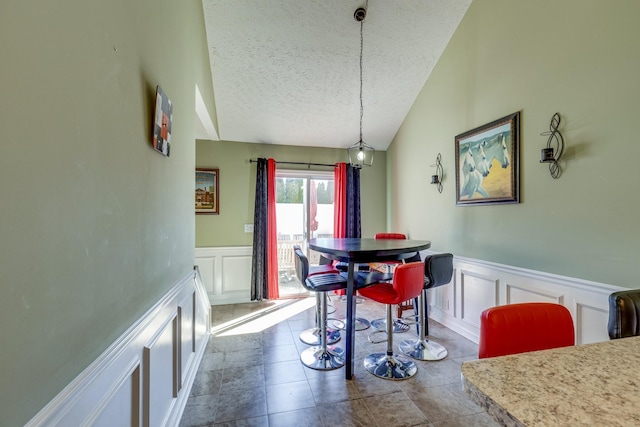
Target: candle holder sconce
437,178
548,154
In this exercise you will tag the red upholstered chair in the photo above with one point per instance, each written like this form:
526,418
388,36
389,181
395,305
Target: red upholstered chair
395,236
519,328
398,324
408,281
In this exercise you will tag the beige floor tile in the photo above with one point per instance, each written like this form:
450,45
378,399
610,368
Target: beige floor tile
257,380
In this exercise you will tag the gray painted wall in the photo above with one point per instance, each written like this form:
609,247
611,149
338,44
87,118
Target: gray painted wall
96,226
576,57
237,187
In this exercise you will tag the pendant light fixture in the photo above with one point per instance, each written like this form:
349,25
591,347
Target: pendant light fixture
360,153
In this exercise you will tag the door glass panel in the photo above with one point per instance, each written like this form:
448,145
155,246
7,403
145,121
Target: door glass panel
304,210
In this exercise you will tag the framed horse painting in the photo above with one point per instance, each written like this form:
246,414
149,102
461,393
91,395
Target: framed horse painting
487,163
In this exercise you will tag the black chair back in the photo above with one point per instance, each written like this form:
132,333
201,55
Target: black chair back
302,265
438,270
413,258
624,314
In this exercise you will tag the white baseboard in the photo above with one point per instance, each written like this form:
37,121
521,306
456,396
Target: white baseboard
144,377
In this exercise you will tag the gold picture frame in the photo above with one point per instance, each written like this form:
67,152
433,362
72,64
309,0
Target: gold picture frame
207,197
487,163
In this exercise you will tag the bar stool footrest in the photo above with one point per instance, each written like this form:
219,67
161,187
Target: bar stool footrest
361,323
398,325
312,336
423,350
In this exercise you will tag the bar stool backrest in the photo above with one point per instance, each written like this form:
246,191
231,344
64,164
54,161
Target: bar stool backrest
302,265
624,314
408,280
438,270
523,327
393,236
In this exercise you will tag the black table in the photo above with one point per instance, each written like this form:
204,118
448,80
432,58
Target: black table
354,251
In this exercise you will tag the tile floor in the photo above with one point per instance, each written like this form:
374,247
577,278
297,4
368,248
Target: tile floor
251,375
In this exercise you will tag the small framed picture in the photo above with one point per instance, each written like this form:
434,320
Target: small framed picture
487,163
207,186
163,116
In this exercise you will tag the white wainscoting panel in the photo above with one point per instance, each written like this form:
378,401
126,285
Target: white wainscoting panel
226,272
478,285
144,377
187,338
478,290
122,406
159,380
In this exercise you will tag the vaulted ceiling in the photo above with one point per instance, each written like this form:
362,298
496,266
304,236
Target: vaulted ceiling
288,71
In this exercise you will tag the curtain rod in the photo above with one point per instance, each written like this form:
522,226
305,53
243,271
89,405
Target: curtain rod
297,163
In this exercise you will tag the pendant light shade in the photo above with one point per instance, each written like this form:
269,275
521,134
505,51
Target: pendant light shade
361,154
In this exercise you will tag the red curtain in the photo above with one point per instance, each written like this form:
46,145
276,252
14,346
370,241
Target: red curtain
313,205
340,201
272,236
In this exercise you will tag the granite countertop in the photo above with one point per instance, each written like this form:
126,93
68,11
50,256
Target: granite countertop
592,384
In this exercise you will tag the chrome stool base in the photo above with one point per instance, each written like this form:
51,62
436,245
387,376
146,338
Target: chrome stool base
394,367
398,325
312,336
423,349
323,360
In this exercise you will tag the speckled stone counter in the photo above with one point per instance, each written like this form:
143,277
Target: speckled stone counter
594,384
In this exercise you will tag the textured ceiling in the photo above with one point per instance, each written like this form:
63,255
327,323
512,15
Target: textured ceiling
287,71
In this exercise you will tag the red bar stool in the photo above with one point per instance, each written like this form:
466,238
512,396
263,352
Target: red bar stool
408,281
523,327
398,324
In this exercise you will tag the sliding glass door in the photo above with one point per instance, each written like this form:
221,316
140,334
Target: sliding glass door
304,210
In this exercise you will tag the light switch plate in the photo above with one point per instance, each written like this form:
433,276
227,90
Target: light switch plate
248,228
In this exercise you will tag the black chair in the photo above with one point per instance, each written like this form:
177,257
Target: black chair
311,336
624,314
322,357
438,271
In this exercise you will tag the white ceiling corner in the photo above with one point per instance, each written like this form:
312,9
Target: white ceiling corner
204,126
287,71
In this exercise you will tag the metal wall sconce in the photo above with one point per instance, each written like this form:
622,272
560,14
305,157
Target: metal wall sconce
437,178
548,155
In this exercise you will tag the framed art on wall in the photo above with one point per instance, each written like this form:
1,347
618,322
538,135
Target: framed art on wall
162,118
487,163
207,187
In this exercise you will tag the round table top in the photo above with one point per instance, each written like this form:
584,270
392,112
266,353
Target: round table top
367,249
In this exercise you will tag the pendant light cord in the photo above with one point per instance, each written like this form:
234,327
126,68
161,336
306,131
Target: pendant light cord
361,50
